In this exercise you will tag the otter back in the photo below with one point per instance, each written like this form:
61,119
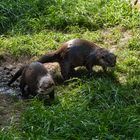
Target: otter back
79,52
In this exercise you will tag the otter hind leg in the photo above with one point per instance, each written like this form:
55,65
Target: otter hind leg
65,70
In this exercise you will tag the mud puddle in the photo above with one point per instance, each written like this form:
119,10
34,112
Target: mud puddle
11,103
6,72
10,106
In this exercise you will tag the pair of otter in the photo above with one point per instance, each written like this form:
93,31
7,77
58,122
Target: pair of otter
76,52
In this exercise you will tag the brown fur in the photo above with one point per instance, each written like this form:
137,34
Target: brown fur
30,78
79,52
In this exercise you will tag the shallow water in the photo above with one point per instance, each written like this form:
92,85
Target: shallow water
6,73
9,90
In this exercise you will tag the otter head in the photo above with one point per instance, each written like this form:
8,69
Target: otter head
45,84
106,58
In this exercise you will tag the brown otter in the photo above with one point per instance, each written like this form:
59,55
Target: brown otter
35,79
79,52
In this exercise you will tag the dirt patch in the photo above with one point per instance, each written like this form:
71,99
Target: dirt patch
10,107
6,72
10,103
10,110
136,4
122,41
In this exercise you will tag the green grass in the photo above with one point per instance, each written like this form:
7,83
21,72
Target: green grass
105,106
29,16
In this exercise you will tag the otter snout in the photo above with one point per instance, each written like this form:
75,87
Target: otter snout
108,60
46,85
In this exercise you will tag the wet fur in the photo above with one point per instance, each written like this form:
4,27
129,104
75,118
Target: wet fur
31,82
79,52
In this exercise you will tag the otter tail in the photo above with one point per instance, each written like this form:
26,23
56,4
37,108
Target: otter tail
50,57
17,74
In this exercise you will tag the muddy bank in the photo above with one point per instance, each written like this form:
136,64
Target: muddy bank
8,66
10,101
10,107
6,72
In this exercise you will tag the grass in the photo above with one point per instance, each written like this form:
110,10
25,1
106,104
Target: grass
29,16
104,106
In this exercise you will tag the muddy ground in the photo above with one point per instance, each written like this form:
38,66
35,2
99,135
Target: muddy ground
11,105
9,101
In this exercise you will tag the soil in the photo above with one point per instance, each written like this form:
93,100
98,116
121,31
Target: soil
10,101
9,111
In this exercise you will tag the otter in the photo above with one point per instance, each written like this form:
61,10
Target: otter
35,79
79,52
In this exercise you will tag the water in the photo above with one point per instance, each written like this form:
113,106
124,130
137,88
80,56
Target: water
9,90
6,73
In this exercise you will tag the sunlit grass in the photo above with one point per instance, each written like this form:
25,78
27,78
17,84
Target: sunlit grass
27,16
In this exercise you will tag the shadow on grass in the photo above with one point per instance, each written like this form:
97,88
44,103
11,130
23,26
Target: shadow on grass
103,90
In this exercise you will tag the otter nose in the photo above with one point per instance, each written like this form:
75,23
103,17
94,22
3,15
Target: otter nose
46,86
51,84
